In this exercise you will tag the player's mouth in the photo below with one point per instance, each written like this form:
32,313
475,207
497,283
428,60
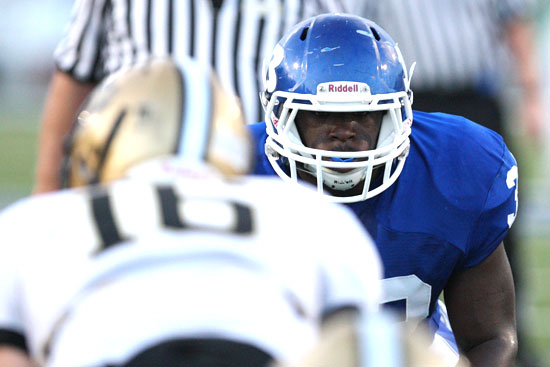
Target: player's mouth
336,159
343,160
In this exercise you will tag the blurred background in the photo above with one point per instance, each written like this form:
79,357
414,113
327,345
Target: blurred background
30,30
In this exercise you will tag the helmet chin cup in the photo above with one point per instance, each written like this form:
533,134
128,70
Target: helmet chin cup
339,181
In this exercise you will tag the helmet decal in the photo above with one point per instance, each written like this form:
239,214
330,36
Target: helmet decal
270,77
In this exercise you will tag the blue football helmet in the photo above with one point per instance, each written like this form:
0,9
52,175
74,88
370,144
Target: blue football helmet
337,63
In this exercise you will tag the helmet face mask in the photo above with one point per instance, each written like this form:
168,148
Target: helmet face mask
357,68
153,110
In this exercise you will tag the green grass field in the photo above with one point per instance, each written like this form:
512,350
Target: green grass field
17,155
18,151
537,266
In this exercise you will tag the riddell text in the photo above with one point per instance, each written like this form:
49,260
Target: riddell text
352,88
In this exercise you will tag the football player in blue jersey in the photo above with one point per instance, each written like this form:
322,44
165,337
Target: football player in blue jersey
436,191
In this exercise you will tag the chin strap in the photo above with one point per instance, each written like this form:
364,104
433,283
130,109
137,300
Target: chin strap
339,181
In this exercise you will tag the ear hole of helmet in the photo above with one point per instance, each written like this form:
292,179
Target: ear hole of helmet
304,33
375,33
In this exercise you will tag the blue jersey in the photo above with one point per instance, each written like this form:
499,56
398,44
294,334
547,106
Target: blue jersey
449,209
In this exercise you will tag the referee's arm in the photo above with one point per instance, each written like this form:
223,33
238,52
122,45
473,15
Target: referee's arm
65,96
76,59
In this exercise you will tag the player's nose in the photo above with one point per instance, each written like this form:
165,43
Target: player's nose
343,128
342,132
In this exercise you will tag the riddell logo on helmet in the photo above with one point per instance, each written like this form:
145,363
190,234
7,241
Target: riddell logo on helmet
343,88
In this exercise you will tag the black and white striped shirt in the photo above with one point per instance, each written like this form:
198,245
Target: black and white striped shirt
232,35
456,43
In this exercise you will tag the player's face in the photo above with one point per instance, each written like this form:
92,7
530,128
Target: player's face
339,131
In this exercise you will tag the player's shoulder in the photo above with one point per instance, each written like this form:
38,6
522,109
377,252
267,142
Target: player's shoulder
259,137
299,202
271,189
297,211
257,130
40,206
456,170
39,216
453,144
431,128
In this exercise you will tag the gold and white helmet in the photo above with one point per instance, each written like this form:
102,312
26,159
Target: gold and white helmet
152,110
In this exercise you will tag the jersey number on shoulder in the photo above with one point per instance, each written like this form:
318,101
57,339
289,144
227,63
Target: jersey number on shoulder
176,213
412,291
511,182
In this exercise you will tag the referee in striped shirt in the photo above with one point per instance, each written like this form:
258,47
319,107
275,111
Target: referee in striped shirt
103,35
467,52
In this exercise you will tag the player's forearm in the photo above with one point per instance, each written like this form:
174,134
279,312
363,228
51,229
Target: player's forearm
497,352
48,162
63,100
